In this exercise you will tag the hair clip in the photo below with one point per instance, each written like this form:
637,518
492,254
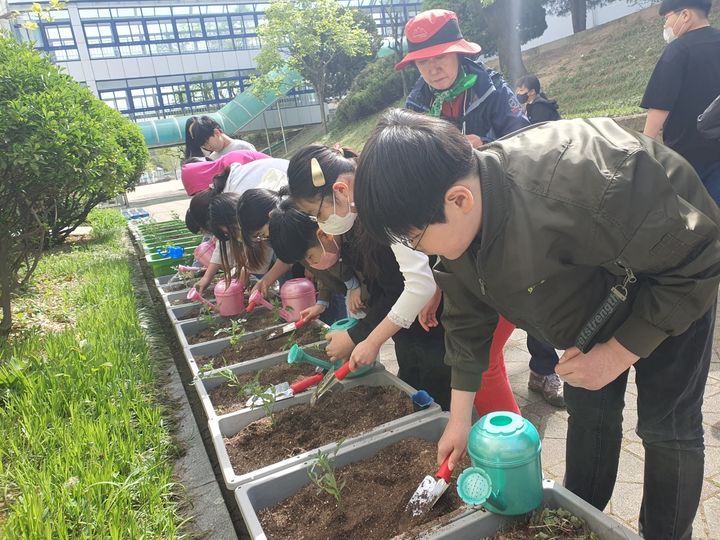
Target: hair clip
337,149
318,178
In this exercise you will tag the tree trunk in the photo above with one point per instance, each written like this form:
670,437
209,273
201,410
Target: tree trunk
504,18
320,91
578,11
5,288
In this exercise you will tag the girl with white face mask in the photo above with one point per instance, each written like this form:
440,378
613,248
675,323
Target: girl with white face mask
320,183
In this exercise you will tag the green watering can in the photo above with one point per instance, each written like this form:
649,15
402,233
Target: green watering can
296,354
506,476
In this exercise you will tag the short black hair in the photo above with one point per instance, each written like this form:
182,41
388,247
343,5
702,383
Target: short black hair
292,233
531,82
191,223
675,5
332,162
197,132
406,167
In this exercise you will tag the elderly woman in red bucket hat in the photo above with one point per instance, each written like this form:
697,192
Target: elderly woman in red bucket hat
454,86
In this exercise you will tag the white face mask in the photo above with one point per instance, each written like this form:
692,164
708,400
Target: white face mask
668,34
337,225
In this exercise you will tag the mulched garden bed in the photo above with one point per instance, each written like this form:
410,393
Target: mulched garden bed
259,347
545,523
226,398
373,500
301,428
257,320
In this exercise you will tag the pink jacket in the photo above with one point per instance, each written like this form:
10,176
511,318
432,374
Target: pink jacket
198,176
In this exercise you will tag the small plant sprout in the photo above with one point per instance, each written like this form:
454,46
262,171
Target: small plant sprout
206,369
206,315
254,388
289,343
322,474
236,331
277,306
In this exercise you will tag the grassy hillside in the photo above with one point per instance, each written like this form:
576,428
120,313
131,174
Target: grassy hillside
600,72
604,71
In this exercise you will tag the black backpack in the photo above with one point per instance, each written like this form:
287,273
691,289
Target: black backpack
708,122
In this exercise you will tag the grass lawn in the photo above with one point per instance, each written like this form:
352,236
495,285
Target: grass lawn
86,450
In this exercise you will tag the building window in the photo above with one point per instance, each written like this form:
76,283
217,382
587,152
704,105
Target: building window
227,89
202,92
104,52
130,32
157,49
144,98
86,14
64,55
117,99
216,26
188,28
173,94
98,33
160,30
59,36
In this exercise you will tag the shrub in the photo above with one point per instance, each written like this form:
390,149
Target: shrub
62,151
375,88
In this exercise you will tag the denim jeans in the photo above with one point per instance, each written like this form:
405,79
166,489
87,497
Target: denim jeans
543,357
709,173
336,310
670,386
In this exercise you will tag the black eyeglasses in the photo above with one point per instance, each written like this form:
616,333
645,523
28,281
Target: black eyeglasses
413,243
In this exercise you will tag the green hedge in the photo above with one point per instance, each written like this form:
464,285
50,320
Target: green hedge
375,88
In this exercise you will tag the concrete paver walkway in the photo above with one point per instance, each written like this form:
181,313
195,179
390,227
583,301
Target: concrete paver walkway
168,199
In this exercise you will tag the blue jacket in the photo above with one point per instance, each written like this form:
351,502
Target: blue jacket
492,110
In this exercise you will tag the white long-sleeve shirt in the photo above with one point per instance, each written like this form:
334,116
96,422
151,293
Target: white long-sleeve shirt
419,285
262,173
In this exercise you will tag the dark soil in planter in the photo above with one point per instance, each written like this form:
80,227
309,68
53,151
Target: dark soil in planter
555,523
207,295
191,313
373,499
300,428
179,286
226,398
257,320
259,347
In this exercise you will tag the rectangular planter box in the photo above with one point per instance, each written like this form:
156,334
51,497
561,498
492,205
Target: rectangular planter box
482,524
177,313
216,346
169,298
205,384
233,423
195,326
253,497
162,266
189,242
162,280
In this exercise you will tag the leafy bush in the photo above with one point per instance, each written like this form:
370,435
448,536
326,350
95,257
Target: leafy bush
375,88
62,151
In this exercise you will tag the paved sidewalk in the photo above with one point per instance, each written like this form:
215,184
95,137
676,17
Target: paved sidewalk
168,199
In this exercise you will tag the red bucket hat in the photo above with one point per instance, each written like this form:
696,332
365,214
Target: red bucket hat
432,33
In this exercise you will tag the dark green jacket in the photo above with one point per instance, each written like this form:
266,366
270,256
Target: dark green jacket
568,206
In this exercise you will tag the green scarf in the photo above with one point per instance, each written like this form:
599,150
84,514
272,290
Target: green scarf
464,82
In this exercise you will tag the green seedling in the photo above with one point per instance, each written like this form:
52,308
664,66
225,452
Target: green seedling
322,474
289,343
277,306
236,331
206,369
254,388
206,315
551,523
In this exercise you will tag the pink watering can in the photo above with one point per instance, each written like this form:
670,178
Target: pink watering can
186,269
203,253
230,301
257,299
296,294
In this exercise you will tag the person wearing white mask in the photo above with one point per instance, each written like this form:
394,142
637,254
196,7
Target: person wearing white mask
686,79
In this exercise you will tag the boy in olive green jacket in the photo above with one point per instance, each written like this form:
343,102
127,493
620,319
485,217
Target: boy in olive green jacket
597,240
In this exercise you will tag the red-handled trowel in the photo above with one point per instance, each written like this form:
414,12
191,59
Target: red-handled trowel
287,329
286,390
430,490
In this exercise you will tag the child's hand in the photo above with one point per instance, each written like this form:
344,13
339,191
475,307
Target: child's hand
364,354
203,284
428,315
313,312
261,286
354,301
453,441
340,346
